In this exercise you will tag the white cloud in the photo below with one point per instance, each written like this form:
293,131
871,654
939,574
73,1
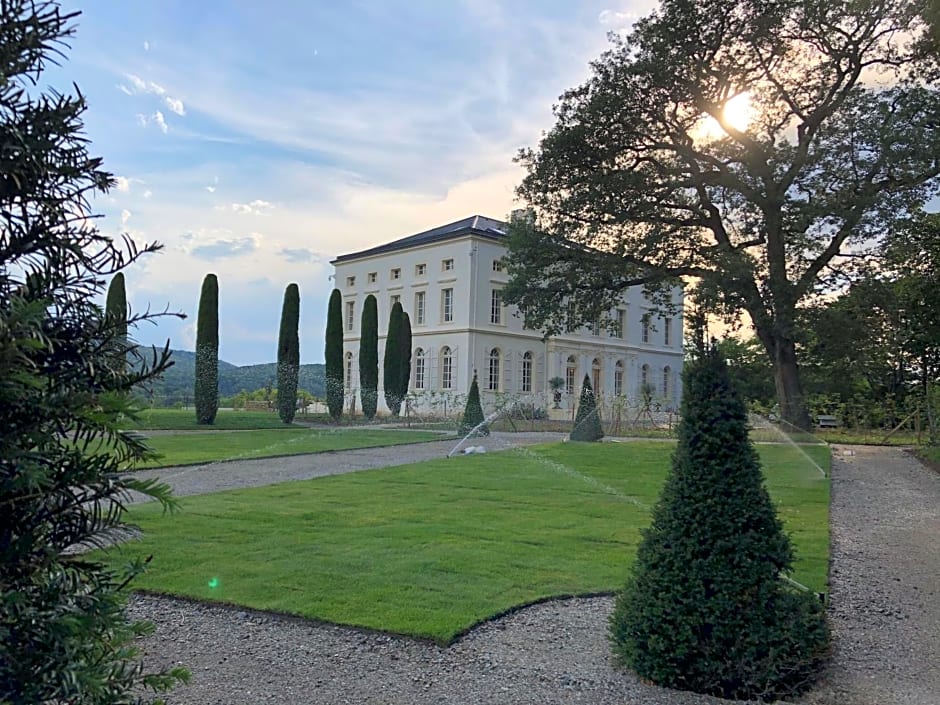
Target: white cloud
210,189
256,207
148,193
146,46
160,121
175,105
122,184
125,216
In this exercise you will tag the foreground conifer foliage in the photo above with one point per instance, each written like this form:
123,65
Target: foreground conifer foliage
587,422
66,372
706,608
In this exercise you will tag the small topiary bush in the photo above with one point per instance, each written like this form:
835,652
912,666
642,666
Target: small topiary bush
706,608
473,412
587,422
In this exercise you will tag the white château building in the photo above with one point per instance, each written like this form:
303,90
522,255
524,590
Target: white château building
449,281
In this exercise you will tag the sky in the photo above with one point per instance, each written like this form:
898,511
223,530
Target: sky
258,141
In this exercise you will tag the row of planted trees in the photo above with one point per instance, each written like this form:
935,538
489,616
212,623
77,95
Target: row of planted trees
396,367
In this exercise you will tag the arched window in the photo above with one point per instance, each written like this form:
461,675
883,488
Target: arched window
349,370
493,377
571,371
527,372
447,368
667,375
618,378
645,376
419,368
596,375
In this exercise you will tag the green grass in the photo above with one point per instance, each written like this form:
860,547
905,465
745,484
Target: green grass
433,548
214,446
226,419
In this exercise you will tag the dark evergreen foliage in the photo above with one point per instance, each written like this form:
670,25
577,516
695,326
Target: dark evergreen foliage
206,385
64,392
116,305
334,355
288,355
587,422
391,364
369,357
473,412
404,356
706,608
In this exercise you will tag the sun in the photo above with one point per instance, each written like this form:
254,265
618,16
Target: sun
737,113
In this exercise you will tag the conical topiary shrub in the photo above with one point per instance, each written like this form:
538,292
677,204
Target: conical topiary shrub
473,412
706,608
587,422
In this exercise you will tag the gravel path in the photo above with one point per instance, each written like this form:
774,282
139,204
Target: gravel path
885,615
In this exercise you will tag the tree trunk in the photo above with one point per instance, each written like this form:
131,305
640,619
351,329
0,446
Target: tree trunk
790,398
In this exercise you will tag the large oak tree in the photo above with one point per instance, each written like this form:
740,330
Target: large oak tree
647,177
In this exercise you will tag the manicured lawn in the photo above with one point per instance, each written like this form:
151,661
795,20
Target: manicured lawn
226,419
431,549
213,446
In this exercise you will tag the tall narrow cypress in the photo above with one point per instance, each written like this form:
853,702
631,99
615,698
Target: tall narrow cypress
473,412
404,361
369,357
116,309
206,389
391,367
334,355
706,607
288,354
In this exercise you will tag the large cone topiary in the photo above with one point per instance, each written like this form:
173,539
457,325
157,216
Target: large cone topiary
706,608
473,412
587,421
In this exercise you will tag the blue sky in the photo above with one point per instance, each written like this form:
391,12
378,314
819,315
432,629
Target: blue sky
260,140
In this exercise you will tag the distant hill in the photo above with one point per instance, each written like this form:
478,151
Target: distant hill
177,383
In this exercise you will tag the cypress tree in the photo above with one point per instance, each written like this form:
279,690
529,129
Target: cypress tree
391,365
587,422
288,355
369,357
706,608
334,355
404,358
206,388
116,306
473,412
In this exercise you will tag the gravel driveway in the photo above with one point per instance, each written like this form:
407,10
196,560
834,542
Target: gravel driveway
885,614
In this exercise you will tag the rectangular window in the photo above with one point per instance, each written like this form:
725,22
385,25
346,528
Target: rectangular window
447,265
621,323
618,381
527,372
394,299
596,328
667,331
419,307
447,369
350,314
396,273
496,307
492,382
497,265
447,305
350,281
421,270
373,277
646,330
419,371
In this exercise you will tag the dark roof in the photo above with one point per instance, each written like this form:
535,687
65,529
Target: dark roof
474,225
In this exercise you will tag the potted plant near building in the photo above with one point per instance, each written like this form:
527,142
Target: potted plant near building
556,384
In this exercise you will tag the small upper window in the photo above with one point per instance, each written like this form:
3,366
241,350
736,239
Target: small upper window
421,270
373,276
447,265
497,265
350,281
396,273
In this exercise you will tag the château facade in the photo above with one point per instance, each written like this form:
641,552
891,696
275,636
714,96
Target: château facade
449,280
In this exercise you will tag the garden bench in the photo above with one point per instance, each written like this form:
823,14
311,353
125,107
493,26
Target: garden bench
824,421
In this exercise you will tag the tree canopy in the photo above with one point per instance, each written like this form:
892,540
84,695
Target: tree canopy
764,149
